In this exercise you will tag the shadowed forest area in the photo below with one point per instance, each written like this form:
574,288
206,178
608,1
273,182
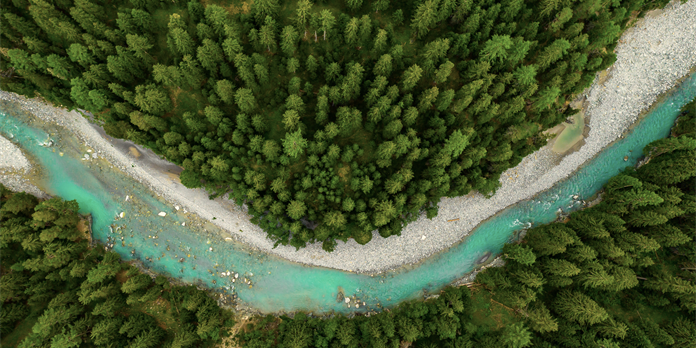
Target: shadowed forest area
331,119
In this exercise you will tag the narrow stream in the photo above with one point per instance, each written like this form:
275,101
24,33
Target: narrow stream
184,252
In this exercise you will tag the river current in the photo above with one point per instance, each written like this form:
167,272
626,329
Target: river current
197,254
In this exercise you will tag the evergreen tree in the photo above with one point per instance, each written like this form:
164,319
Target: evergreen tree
425,17
496,48
289,39
411,77
263,8
352,30
327,21
578,307
516,336
294,144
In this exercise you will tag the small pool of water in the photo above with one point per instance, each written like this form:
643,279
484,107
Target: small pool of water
571,134
276,284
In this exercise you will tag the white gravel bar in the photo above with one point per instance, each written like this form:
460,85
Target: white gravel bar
14,168
11,157
652,57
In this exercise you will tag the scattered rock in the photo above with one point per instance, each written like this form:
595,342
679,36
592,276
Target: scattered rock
163,214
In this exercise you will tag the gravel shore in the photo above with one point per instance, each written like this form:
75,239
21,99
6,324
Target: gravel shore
651,58
14,168
12,158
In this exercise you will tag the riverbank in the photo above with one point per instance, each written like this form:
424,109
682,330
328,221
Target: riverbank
651,58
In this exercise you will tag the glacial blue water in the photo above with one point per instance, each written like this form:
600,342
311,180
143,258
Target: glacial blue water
277,284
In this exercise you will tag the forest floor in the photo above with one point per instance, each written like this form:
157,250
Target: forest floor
651,58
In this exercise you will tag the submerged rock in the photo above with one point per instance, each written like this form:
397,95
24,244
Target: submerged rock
484,257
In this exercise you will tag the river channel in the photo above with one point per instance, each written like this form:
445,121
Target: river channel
196,253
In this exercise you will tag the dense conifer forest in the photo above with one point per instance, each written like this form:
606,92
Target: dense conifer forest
331,119
618,274
58,292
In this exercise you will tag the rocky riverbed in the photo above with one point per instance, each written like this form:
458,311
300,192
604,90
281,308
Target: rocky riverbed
651,58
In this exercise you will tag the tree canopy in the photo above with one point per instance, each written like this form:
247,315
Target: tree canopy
344,96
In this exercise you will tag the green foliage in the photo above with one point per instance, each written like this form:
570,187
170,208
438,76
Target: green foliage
442,88
516,336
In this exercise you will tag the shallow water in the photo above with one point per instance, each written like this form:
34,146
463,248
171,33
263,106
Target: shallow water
570,135
280,285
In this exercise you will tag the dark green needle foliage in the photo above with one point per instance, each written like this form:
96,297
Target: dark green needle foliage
390,105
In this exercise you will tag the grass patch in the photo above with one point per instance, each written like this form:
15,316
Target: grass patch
489,314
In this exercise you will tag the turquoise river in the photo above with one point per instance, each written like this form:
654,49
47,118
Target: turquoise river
184,252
